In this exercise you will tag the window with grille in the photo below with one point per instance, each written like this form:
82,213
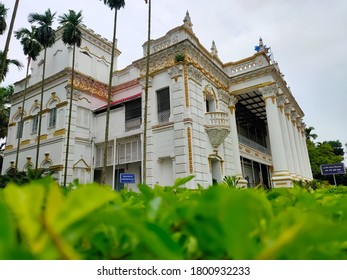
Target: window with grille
52,117
19,129
133,114
163,101
129,152
35,124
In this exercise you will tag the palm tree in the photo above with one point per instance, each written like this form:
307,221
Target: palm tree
116,5
7,64
5,96
309,135
31,48
8,39
72,36
3,14
146,94
46,36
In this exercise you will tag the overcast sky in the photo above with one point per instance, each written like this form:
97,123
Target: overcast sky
308,39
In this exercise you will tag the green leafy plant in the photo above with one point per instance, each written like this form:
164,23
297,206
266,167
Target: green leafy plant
179,58
41,220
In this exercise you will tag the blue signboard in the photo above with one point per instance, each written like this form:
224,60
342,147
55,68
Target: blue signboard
332,169
127,178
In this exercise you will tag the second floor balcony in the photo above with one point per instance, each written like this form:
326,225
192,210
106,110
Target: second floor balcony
217,127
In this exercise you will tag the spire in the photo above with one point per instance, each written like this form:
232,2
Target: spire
187,22
214,51
263,48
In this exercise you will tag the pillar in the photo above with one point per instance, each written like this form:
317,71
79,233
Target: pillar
308,164
280,174
297,145
280,102
235,142
289,124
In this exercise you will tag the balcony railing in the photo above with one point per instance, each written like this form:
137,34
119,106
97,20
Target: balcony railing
254,145
217,127
217,119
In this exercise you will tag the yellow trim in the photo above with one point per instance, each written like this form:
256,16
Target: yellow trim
29,117
251,88
8,147
186,90
42,137
58,167
44,111
62,104
59,132
190,152
235,63
11,124
25,142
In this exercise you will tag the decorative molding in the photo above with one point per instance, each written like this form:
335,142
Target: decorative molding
62,104
223,96
42,137
195,75
8,147
186,89
190,150
25,142
59,132
175,71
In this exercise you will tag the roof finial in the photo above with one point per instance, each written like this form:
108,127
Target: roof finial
188,22
214,51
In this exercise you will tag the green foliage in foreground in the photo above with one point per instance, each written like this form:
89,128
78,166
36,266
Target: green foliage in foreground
43,221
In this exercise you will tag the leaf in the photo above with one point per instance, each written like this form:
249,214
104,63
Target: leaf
82,202
181,181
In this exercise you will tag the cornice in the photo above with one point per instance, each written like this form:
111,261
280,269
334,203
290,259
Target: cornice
164,59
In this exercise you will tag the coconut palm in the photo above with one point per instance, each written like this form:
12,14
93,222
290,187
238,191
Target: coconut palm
8,63
46,36
72,36
116,5
146,94
3,14
5,96
32,49
8,39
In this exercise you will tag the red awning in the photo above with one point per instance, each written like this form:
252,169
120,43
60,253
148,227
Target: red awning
125,99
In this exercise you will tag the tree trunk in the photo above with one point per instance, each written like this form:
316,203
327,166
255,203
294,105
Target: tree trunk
70,110
22,115
144,162
8,39
40,113
103,176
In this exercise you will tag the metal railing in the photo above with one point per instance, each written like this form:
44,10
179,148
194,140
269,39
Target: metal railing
254,145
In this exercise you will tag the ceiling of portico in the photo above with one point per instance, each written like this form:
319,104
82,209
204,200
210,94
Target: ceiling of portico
250,109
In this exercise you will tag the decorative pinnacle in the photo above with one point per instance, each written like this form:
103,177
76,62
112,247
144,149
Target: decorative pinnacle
214,51
188,22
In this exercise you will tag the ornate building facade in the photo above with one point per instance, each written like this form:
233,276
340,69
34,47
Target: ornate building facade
205,117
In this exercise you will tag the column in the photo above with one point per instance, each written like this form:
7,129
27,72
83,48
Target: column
297,145
280,175
235,142
288,109
308,164
280,102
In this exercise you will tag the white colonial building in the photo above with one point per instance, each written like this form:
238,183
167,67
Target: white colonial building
205,117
